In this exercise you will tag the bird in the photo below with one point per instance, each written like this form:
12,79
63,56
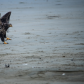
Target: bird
4,26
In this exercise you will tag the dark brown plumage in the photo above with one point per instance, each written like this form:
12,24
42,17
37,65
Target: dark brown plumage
4,25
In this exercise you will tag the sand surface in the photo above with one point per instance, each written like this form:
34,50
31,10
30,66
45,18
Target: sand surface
47,45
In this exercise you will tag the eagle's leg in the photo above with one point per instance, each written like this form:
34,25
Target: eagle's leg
8,38
3,36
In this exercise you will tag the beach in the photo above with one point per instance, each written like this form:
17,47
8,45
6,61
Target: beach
47,45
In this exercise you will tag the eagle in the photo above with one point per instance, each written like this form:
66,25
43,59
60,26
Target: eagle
4,25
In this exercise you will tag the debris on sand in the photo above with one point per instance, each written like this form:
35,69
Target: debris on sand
7,66
63,74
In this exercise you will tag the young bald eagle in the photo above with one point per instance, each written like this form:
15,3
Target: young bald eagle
4,25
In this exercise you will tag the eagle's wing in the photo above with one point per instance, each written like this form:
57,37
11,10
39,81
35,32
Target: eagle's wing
6,18
0,22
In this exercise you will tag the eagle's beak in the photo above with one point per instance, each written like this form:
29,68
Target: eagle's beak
10,25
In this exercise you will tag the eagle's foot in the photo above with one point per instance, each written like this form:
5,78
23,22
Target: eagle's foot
5,43
8,38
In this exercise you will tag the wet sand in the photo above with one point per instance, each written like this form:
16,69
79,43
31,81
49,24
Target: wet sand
47,45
